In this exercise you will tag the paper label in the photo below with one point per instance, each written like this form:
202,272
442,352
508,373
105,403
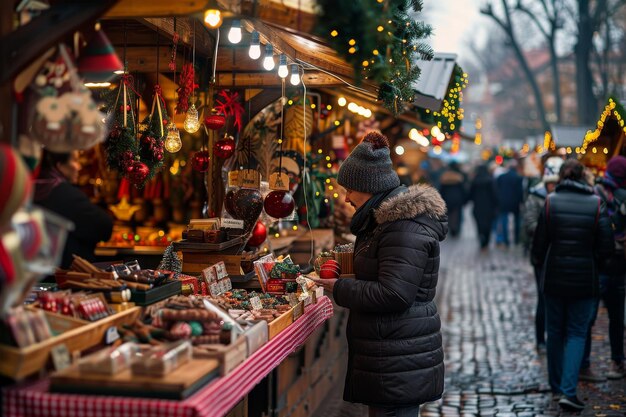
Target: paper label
250,178
255,302
231,223
111,335
292,298
233,179
61,358
279,181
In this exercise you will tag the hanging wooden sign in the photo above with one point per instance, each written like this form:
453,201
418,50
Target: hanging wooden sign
279,181
233,179
250,178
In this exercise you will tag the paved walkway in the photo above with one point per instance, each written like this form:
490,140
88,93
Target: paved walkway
487,304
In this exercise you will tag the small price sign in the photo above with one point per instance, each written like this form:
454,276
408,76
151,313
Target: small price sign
61,358
250,178
255,302
233,179
279,181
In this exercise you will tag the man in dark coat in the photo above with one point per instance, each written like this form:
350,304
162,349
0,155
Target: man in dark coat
485,202
510,191
573,236
395,360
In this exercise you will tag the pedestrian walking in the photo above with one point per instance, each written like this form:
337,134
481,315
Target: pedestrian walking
452,186
532,208
612,190
485,202
573,233
395,354
510,189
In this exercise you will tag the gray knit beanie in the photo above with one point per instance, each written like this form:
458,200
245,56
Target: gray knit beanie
368,168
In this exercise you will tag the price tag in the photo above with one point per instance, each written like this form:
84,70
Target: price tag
61,358
231,223
250,178
233,179
292,298
279,181
111,335
255,302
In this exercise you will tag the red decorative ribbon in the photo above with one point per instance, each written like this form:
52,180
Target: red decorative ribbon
130,83
228,104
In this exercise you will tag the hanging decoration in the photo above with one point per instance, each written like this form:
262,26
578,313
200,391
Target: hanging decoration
248,204
259,234
382,40
173,143
279,204
214,121
121,144
229,202
225,147
200,161
191,123
186,88
449,118
228,104
153,134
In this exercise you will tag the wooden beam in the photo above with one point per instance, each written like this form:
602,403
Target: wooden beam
19,47
144,58
156,8
270,79
280,15
237,59
185,28
7,127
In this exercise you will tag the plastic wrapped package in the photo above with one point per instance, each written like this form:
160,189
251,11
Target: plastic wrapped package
109,361
161,360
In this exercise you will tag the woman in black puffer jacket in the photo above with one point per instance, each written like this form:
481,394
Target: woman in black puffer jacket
395,355
573,236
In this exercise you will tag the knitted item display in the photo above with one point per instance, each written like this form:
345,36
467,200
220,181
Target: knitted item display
368,168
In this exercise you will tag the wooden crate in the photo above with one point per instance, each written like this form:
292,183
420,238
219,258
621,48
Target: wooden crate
76,335
280,323
229,356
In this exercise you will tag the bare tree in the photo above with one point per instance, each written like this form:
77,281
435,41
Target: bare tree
547,17
505,22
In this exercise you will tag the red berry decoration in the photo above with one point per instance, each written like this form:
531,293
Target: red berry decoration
229,202
330,269
259,234
279,204
137,172
200,161
214,121
224,148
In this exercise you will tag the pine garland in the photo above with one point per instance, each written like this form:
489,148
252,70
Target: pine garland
382,40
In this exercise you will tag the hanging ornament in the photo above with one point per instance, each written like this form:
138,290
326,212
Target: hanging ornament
228,104
259,234
229,202
279,204
191,124
186,88
172,141
137,172
224,148
200,161
248,206
214,121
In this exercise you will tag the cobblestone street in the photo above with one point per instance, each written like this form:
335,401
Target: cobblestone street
487,303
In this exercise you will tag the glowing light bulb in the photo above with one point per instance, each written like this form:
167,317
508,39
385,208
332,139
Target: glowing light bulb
213,18
282,66
268,61
234,34
342,101
191,123
172,141
295,75
255,46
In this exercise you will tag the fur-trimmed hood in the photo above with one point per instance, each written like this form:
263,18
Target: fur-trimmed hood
421,202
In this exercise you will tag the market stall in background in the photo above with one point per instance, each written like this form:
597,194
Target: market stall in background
212,135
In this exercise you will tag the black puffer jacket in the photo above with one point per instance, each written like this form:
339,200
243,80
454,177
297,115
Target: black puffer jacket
395,348
573,236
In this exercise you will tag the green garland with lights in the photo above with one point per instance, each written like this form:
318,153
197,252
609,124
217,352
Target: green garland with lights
382,40
450,117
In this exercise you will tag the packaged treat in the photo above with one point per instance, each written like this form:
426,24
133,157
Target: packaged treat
109,361
161,360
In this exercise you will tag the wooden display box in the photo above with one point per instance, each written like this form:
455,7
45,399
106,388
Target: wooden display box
229,356
284,320
77,335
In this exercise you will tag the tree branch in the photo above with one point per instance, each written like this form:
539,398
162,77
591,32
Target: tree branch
534,18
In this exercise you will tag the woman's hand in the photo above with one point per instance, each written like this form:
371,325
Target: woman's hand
327,284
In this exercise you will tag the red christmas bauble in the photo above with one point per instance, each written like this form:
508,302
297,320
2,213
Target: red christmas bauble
279,204
229,202
214,121
137,172
259,234
200,161
248,206
224,148
330,269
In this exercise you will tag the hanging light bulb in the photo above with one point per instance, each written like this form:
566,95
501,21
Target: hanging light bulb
234,34
213,17
172,141
282,66
191,124
255,46
268,61
295,75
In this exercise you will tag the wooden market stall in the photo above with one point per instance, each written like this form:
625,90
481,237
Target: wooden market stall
607,140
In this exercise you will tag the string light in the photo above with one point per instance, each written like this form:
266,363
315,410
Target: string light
213,18
295,75
255,46
282,66
268,61
341,101
234,34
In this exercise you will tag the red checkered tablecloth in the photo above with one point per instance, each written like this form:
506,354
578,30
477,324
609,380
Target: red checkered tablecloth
214,400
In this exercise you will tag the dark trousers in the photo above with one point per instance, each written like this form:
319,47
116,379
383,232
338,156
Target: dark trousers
612,294
455,220
394,412
540,311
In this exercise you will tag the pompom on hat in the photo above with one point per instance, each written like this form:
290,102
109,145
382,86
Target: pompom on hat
368,168
616,168
551,169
